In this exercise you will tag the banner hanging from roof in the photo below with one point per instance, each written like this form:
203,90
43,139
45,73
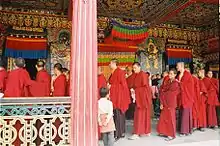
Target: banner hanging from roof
29,48
176,55
129,32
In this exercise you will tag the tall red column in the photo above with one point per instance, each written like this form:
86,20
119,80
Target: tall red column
84,73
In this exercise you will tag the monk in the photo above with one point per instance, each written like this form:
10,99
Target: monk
119,95
130,80
168,99
212,101
202,123
41,88
18,80
195,109
17,85
3,77
186,99
66,72
101,80
59,82
143,98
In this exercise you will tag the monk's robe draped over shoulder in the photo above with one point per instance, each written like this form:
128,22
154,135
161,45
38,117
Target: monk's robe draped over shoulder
60,85
101,83
119,92
17,83
3,77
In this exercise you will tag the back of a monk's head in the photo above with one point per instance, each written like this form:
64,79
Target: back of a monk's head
20,62
40,63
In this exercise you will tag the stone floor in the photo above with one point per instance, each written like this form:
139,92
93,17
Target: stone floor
208,138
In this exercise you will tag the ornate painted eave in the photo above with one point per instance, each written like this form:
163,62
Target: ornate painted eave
34,20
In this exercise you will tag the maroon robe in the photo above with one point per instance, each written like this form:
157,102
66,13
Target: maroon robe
3,77
212,101
142,115
41,88
68,88
196,95
59,85
119,92
17,83
202,121
101,83
186,102
168,98
130,80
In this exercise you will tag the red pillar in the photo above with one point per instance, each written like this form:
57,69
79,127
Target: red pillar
84,73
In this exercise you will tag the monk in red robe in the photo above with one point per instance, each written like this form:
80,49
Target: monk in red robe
3,77
168,100
202,123
186,99
143,98
17,85
130,81
41,88
196,95
59,82
101,80
212,101
18,81
119,95
66,72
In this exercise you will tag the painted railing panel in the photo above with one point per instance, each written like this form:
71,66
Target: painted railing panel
34,122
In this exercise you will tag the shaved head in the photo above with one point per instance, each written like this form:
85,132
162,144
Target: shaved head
180,66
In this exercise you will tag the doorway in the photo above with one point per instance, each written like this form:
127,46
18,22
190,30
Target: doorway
30,67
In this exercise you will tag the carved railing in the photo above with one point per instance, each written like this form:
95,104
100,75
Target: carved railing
35,121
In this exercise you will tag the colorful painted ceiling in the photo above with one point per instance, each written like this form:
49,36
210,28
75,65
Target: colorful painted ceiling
51,5
190,12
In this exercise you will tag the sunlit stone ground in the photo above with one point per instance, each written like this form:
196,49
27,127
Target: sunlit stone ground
207,138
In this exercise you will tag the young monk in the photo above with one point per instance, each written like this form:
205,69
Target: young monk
59,83
202,123
3,77
168,99
212,90
41,88
119,94
101,80
186,99
66,72
143,98
18,80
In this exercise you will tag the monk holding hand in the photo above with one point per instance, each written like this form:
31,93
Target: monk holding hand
168,99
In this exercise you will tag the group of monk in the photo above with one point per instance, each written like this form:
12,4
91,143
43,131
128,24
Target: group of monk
194,96
17,82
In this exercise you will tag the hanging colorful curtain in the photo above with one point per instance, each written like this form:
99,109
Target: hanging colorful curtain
124,58
29,48
129,32
178,55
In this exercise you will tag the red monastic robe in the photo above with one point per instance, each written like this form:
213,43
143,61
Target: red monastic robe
130,80
212,101
119,92
168,98
17,83
142,115
3,77
202,105
196,97
59,86
101,83
41,88
187,90
68,88
186,102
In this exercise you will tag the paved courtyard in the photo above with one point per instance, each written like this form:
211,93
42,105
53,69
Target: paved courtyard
208,138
